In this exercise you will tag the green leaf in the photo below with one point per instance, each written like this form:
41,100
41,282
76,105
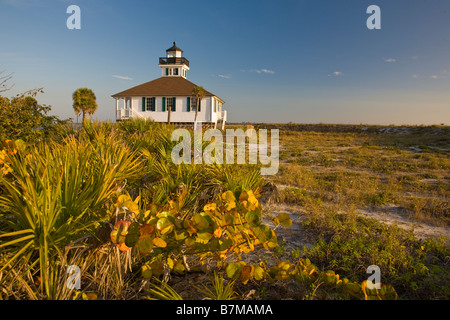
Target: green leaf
224,245
199,222
133,228
189,242
234,269
252,218
179,267
157,268
164,226
204,236
131,239
260,234
181,235
20,144
146,271
284,219
258,273
267,231
145,245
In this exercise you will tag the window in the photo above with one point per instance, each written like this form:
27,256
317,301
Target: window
151,106
148,104
194,104
171,103
175,71
215,105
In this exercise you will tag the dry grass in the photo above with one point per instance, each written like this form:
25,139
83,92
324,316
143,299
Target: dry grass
360,170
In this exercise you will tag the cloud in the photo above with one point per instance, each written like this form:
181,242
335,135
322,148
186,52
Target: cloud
122,77
225,76
260,71
415,76
443,75
336,74
389,60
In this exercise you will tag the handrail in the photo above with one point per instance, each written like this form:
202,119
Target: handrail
173,60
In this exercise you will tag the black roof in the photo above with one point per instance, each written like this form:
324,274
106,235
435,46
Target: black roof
174,48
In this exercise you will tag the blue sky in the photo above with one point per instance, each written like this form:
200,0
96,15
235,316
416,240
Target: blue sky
304,61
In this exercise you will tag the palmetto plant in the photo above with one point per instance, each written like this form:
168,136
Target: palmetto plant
54,194
236,178
221,291
163,291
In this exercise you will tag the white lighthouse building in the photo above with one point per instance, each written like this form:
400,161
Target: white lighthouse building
170,95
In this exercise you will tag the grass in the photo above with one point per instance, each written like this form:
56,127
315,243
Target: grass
57,198
361,169
333,173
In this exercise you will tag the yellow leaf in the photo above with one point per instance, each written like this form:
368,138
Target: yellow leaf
159,242
121,200
210,207
170,263
179,267
146,271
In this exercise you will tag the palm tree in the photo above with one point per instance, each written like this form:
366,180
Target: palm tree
84,101
199,93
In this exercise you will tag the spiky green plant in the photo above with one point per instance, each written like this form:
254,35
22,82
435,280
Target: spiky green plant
55,194
162,291
221,291
235,177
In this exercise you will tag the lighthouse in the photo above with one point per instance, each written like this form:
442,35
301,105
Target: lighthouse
174,64
170,98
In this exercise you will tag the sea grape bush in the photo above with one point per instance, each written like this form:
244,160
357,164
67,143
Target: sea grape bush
228,226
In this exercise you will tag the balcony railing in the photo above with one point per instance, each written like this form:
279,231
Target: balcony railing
223,115
124,114
174,60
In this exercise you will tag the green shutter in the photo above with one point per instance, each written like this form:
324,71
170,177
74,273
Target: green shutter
143,103
199,105
188,104
174,104
163,104
167,71
153,104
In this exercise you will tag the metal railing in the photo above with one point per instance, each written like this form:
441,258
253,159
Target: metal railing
124,114
174,60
